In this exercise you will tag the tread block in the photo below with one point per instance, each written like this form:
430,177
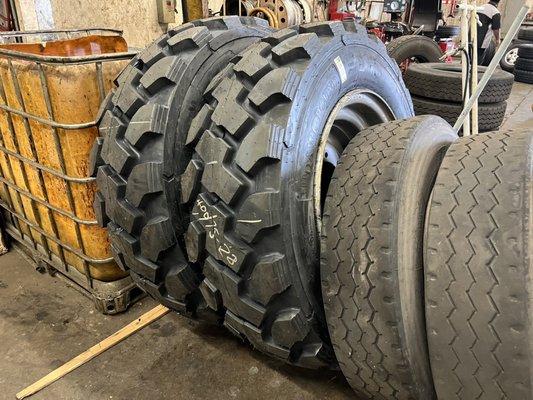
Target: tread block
189,39
110,128
181,280
259,211
254,335
226,22
118,257
127,245
148,121
158,291
99,210
228,113
95,157
253,63
268,278
324,28
154,52
157,236
199,124
118,154
211,295
165,71
279,85
129,100
215,220
228,282
144,179
305,45
312,356
195,242
279,36
218,177
265,140
289,327
126,216
190,180
226,72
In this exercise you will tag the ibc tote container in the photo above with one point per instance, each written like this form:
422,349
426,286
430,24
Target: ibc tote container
50,93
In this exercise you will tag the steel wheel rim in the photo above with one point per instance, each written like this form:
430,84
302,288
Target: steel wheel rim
355,111
511,56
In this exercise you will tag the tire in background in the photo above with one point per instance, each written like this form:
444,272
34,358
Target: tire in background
447,31
478,270
526,51
523,76
508,61
419,47
441,81
490,115
144,124
372,256
526,33
488,54
253,184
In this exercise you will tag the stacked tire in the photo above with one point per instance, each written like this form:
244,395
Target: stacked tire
525,36
523,70
217,147
436,90
426,268
413,49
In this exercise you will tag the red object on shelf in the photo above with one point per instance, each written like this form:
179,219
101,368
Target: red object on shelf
335,14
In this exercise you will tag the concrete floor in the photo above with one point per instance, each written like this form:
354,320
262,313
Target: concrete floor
44,323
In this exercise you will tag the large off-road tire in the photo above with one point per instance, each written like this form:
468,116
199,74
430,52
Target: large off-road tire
441,81
372,255
414,47
478,271
255,178
144,125
490,116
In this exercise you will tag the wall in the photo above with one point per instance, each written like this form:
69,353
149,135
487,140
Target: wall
137,18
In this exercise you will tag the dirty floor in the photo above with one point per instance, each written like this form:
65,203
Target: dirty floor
44,323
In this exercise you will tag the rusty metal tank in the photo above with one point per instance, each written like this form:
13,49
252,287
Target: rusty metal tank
50,93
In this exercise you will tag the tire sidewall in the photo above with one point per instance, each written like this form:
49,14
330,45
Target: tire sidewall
320,89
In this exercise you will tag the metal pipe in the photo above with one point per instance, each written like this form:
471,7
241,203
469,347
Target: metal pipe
473,58
464,60
492,66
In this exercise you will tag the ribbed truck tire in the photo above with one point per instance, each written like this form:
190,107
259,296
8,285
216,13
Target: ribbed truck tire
478,271
418,47
490,115
372,256
251,182
137,160
441,81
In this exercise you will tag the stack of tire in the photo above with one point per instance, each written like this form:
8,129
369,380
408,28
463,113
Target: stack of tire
523,70
436,90
426,268
409,49
525,36
276,182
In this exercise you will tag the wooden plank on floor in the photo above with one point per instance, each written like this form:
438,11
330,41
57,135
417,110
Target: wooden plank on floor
144,320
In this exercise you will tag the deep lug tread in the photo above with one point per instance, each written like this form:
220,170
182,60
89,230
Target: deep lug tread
136,121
